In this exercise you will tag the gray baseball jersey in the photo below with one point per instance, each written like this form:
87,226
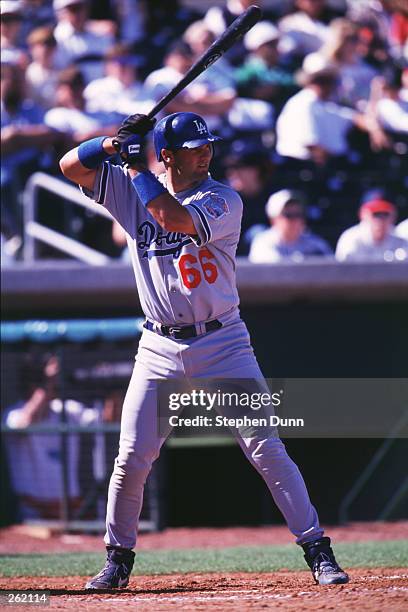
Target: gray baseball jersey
187,279
181,279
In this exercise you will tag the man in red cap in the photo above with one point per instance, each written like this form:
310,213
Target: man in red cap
374,237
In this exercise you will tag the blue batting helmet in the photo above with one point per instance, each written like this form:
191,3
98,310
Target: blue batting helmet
181,130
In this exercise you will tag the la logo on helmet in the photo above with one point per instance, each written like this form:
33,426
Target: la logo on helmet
201,129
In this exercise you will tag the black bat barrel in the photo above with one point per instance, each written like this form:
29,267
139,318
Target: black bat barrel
234,32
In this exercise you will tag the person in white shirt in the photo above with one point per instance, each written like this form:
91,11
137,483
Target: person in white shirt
288,237
178,59
391,103
402,230
70,115
35,459
373,239
312,127
120,90
77,43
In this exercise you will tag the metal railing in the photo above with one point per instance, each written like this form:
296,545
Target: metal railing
369,474
58,336
34,231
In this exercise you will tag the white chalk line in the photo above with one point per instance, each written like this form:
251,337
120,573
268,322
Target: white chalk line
169,598
394,577
198,598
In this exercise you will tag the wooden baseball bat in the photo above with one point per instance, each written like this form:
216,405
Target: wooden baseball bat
232,34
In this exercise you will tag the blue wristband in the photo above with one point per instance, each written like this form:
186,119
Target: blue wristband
91,153
147,187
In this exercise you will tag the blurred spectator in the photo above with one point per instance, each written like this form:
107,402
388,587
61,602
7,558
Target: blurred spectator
42,73
35,459
36,14
402,230
218,18
23,139
372,47
249,171
261,76
319,149
77,43
121,90
404,81
178,59
288,237
215,91
206,96
199,37
70,116
373,238
341,50
390,107
11,16
165,22
130,17
305,30
312,127
388,22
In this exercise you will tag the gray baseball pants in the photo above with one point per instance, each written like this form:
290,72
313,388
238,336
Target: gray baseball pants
225,353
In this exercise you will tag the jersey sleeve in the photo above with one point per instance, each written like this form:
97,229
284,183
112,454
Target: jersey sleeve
113,189
216,215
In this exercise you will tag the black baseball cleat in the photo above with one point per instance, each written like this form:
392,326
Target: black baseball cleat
320,558
116,573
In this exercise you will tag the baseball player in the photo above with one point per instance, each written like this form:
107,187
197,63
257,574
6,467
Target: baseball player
182,230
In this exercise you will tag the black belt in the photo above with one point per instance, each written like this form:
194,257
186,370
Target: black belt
182,333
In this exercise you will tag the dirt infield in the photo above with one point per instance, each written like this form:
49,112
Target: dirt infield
372,590
369,590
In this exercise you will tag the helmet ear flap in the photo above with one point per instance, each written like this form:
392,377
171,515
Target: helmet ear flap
164,135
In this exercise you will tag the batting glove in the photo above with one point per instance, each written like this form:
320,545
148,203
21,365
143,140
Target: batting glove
135,124
130,149
129,140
